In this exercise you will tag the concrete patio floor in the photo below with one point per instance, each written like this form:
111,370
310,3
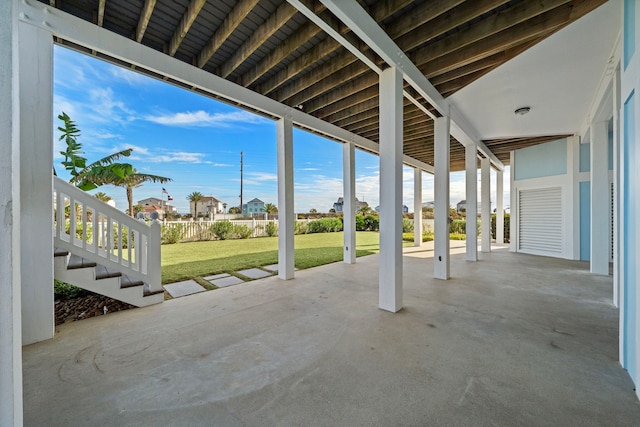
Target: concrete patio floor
510,340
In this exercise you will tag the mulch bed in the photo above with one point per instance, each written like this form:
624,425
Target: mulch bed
87,306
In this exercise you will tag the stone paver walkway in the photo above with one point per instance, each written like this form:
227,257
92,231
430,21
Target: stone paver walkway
255,273
226,281
180,289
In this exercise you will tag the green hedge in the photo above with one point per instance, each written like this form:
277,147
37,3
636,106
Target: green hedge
507,228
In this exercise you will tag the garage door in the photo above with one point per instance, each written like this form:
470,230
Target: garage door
540,221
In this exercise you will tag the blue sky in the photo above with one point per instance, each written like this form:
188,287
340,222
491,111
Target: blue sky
197,141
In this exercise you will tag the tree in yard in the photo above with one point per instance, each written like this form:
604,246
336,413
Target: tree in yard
102,196
133,180
87,177
313,210
364,210
270,208
194,198
234,210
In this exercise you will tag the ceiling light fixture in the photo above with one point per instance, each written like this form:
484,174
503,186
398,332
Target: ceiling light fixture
522,111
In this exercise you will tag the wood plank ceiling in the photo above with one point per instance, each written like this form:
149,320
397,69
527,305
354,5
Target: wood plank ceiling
271,48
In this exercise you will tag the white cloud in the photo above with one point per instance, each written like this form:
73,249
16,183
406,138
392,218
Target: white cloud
308,169
204,119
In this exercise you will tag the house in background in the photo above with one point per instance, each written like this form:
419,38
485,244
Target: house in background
254,206
164,205
207,206
405,209
339,205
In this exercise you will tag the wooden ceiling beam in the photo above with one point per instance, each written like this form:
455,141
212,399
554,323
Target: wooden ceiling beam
342,80
145,17
489,62
509,38
292,43
282,14
357,85
185,24
517,14
461,14
228,26
362,105
379,12
101,6
346,102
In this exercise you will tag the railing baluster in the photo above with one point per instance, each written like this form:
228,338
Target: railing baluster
84,226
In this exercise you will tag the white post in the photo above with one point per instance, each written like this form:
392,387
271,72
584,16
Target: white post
286,259
485,190
616,187
441,190
349,206
154,258
471,183
36,194
513,202
600,199
499,207
390,275
417,207
10,305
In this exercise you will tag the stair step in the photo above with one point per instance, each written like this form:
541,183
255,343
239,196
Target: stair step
146,292
76,261
127,282
60,252
103,273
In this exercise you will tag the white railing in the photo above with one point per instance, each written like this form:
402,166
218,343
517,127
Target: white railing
87,227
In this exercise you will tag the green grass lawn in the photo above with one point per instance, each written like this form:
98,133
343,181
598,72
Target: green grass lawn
184,261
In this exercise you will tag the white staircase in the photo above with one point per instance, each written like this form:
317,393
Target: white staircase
103,250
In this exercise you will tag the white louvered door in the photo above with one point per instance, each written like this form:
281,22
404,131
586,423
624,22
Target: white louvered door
540,228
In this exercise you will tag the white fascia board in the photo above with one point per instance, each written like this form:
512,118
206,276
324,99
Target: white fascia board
85,34
361,23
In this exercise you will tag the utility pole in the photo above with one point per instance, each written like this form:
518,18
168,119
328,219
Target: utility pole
241,156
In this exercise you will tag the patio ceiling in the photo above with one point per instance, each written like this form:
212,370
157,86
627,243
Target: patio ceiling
271,48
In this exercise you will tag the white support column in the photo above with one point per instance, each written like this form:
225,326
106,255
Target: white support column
600,197
10,305
349,206
513,202
471,183
499,208
390,275
441,190
36,193
417,207
284,141
616,187
485,220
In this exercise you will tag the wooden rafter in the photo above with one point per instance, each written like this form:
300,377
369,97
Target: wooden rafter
283,13
145,17
185,24
101,6
228,26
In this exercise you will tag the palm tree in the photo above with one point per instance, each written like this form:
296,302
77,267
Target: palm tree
270,208
364,210
87,177
133,180
102,196
194,198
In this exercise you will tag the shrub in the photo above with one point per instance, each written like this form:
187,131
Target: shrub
360,225
242,231
371,223
63,291
407,225
458,226
223,230
324,225
299,227
426,237
172,233
457,236
507,228
272,229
